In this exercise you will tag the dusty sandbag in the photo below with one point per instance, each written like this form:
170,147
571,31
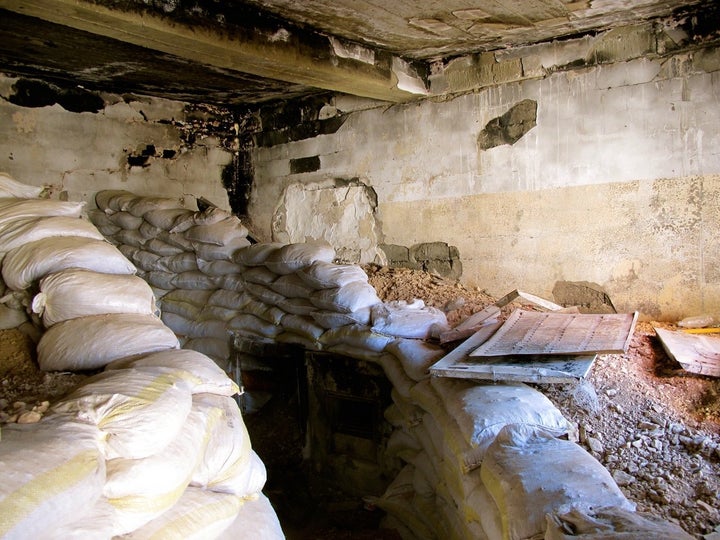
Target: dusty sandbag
164,218
217,349
23,230
292,257
125,220
229,299
207,377
130,237
327,275
159,247
178,263
25,264
217,313
293,338
333,319
264,294
218,267
140,490
101,220
353,352
219,233
139,206
159,279
611,523
148,232
257,516
356,335
482,409
305,326
14,209
11,318
256,254
396,374
346,299
416,356
230,282
94,341
53,473
199,514
194,279
145,260
209,216
176,239
73,293
112,200
128,251
266,312
408,320
9,187
289,285
530,473
259,275
138,410
195,328
224,252
184,309
297,306
229,449
197,297
250,325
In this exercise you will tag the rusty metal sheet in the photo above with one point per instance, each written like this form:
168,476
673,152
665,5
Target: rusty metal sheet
696,353
540,333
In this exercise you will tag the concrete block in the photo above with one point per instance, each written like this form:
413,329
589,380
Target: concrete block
430,251
395,253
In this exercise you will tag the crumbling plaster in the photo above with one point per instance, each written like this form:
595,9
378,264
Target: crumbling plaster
617,183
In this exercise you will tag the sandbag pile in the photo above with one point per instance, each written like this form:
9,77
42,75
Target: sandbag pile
152,446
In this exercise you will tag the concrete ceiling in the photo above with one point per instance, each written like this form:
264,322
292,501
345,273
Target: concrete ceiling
246,53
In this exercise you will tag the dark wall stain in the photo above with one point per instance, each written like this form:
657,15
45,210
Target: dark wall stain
303,165
510,127
35,93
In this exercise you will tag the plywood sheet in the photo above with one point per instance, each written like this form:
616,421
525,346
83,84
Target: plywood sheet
536,333
696,353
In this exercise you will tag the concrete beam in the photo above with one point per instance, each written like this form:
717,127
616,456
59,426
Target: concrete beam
278,51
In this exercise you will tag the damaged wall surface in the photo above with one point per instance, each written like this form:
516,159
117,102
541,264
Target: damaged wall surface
617,183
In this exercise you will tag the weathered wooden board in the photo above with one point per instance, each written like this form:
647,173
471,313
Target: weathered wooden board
696,353
540,333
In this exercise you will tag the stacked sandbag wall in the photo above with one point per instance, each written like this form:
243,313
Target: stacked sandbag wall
474,460
152,443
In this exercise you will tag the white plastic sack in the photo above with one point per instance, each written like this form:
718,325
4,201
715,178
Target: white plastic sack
250,325
257,516
24,265
14,209
266,312
333,319
346,299
530,473
73,293
297,306
404,320
415,356
23,230
289,285
52,473
9,187
327,275
304,326
138,411
292,257
94,341
207,377
356,335
264,294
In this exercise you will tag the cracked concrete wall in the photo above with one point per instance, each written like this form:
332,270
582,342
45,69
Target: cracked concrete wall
77,154
618,183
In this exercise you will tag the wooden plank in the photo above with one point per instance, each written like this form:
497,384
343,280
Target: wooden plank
696,353
537,333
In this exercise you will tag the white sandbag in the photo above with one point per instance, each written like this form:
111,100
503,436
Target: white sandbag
125,220
395,373
416,356
145,260
112,200
346,299
140,490
95,523
228,451
218,267
9,187
610,523
256,254
14,209
327,275
159,279
259,275
224,252
207,377
198,515
246,480
356,335
138,410
130,237
164,218
305,326
266,312
161,248
482,409
101,220
408,320
219,233
23,230
257,516
25,264
138,206
292,257
297,306
52,472
148,231
289,285
333,319
217,349
264,294
530,473
94,341
194,279
178,263
353,352
11,318
73,293
250,325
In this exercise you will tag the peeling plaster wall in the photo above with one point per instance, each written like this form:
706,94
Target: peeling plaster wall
78,154
617,184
